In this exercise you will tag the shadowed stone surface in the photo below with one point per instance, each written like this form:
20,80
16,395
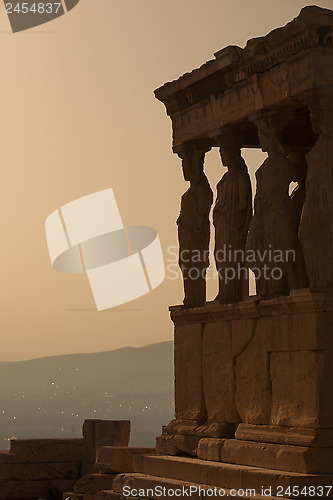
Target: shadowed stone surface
45,450
38,472
93,483
219,379
119,459
103,433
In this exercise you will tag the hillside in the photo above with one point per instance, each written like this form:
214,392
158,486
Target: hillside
50,397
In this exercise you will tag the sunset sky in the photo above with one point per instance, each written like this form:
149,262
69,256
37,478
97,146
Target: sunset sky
78,115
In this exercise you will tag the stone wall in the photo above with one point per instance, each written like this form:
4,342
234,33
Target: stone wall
52,469
259,371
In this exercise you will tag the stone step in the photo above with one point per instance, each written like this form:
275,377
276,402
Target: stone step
152,487
225,475
296,436
119,458
276,456
269,455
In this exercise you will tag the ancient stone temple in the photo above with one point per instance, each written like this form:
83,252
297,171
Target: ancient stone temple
254,375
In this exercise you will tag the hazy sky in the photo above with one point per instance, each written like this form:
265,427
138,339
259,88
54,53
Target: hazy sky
78,115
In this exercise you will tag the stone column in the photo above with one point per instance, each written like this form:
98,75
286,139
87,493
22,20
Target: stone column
231,217
194,225
316,227
273,249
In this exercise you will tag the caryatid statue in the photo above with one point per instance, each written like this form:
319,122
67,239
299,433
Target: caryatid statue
231,217
297,196
273,249
194,226
316,227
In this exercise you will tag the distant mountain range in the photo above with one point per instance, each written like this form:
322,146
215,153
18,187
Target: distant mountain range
51,397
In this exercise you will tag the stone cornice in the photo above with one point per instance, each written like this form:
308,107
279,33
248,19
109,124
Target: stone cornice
300,301
313,28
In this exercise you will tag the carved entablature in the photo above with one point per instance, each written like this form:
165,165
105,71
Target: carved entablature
276,70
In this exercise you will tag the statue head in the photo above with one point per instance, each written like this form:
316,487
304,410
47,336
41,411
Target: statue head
192,163
187,168
230,142
267,140
229,155
269,133
231,158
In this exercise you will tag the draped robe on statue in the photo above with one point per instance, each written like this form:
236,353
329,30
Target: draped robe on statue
194,234
231,216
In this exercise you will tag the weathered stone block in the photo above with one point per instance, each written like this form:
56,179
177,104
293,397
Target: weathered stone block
39,472
300,332
142,483
118,459
103,433
93,483
253,387
88,469
219,382
194,428
27,490
216,430
210,449
181,426
295,386
166,444
189,403
45,450
297,436
278,457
